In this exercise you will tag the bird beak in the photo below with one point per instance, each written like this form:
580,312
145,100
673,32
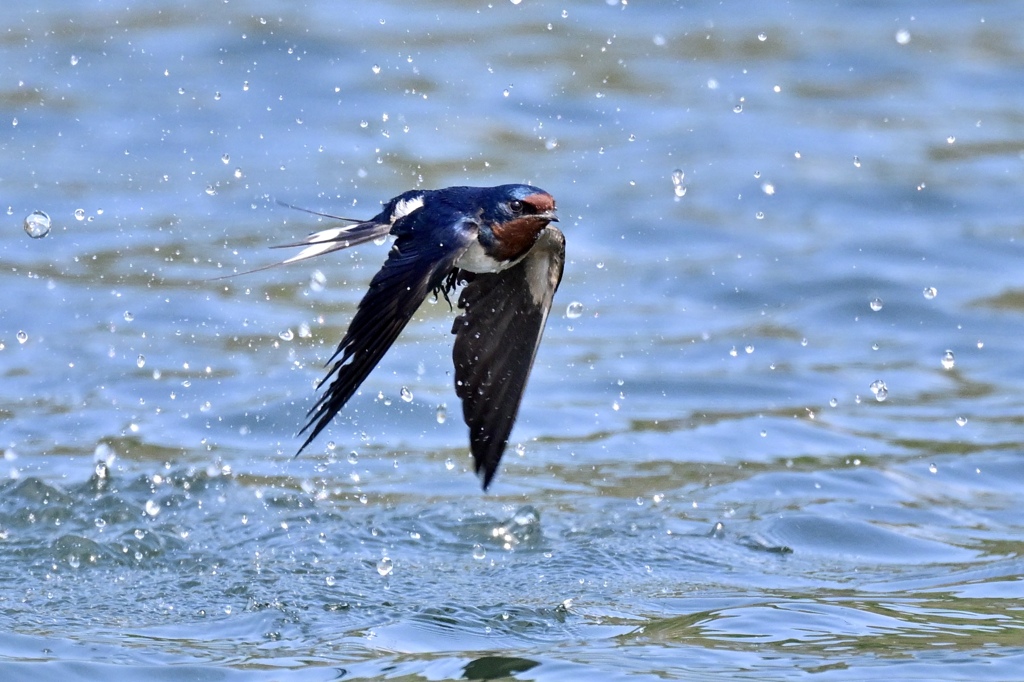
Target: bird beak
551,216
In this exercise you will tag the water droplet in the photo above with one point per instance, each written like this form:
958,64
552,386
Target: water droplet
961,421
749,348
363,124
951,139
516,2
385,566
948,360
79,214
880,390
152,508
759,215
930,292
442,413
856,161
764,433
632,137
738,109
128,316
678,183
932,468
74,60
981,344
768,188
353,457
574,310
833,402
449,464
330,581
732,351
903,36
478,552
406,394
876,304
762,36
286,335
37,224
376,68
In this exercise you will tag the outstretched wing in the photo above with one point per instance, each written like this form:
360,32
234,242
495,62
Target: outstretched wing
418,263
496,341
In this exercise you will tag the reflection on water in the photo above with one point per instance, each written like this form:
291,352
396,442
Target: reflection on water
773,427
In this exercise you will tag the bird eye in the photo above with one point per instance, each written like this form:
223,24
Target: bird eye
516,206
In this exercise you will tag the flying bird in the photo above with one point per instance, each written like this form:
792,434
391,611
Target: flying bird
500,243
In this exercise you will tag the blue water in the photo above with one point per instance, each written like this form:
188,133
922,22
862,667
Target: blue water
702,479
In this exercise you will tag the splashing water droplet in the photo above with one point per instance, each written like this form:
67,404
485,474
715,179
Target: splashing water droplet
948,360
385,566
442,413
79,214
406,394
678,183
152,508
574,310
478,552
22,336
876,304
449,464
353,457
286,335
762,36
37,224
880,390
140,362
933,469
833,402
903,36
961,421
930,292
856,162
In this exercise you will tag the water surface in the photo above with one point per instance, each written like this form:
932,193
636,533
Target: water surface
769,211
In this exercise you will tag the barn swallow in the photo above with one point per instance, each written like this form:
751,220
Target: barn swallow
500,243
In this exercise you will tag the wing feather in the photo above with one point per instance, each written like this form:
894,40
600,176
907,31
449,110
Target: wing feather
496,340
413,269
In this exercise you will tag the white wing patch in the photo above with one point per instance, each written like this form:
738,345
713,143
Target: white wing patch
405,207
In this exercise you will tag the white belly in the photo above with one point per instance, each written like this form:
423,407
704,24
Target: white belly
476,260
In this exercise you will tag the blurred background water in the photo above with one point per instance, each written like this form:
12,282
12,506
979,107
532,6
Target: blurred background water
773,431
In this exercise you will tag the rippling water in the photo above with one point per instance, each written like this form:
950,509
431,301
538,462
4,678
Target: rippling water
773,430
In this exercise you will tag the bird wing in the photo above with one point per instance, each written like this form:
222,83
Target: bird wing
418,263
496,339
